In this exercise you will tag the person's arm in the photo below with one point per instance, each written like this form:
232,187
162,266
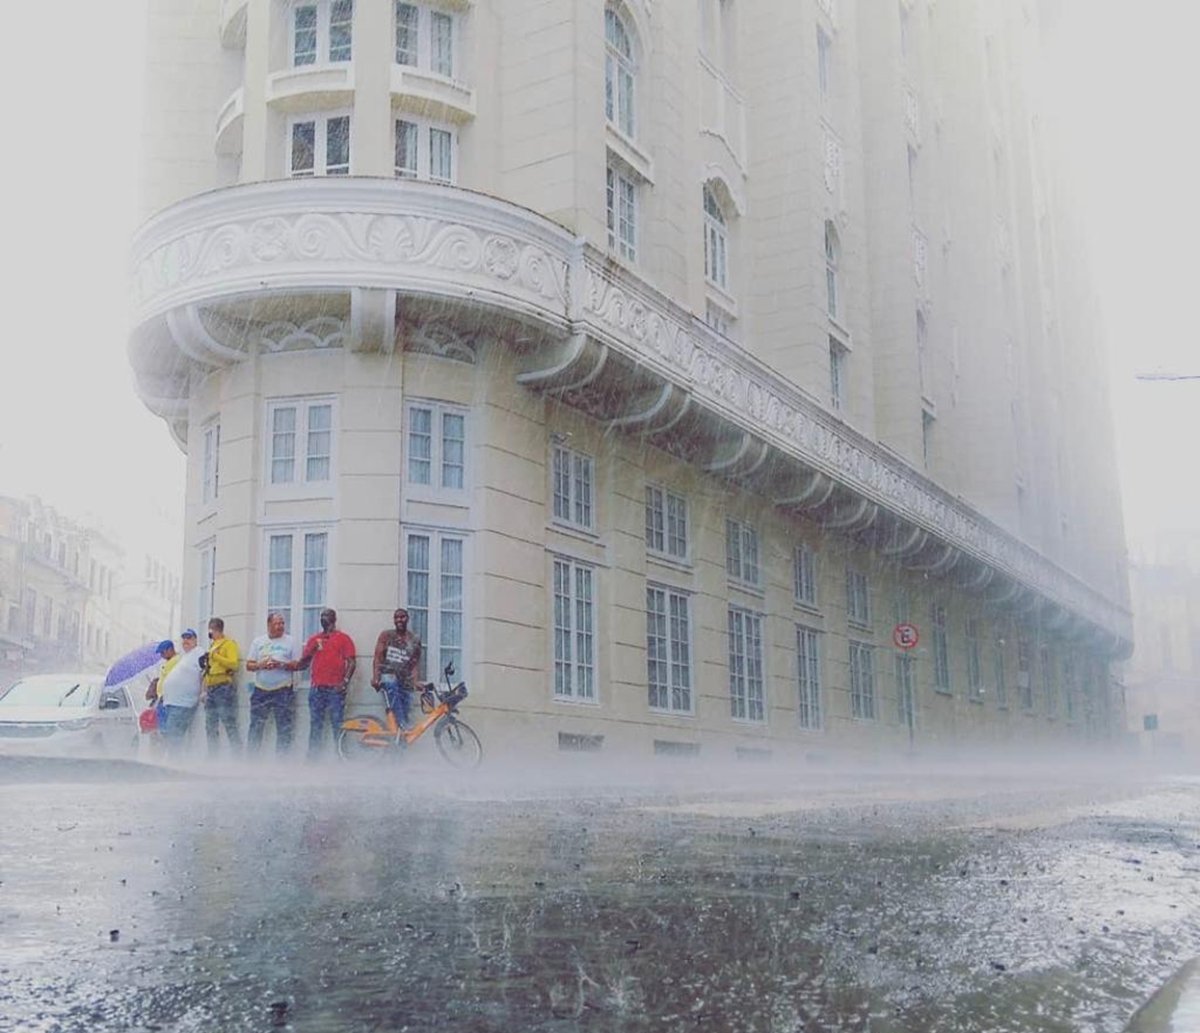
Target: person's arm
251,663
351,661
305,657
377,659
414,659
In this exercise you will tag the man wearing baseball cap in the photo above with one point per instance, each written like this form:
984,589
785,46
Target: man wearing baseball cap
179,687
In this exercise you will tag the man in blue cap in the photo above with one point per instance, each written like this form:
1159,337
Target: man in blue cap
179,689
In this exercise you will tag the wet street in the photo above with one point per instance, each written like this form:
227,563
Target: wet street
923,900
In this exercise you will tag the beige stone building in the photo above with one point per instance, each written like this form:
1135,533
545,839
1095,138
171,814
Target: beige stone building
70,597
663,358
1162,678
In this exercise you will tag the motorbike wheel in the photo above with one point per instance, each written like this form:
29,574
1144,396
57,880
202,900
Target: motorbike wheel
352,748
458,743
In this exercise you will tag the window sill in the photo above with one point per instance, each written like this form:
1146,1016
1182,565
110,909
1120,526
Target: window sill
758,591
629,153
948,693
583,534
977,700
661,559
297,492
857,625
841,333
322,87
661,712
750,722
460,498
809,608
574,702
429,94
721,298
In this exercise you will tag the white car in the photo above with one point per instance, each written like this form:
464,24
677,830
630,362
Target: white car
68,713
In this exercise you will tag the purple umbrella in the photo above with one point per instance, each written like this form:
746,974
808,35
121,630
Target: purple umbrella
132,663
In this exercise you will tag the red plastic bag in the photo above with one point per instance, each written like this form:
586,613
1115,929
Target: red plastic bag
148,720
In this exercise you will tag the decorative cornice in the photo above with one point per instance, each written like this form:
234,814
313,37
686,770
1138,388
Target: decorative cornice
424,240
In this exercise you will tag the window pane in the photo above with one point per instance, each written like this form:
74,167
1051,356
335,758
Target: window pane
420,446
585,633
283,445
563,682
315,570
406,149
441,156
654,519
441,30
304,35
417,601
583,491
320,422
279,575
681,660
304,135
451,609
337,146
406,34
341,18
656,647
562,484
453,450
677,526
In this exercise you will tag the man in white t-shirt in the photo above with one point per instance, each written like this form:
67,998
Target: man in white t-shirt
274,685
180,692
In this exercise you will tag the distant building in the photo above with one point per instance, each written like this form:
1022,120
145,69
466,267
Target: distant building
67,601
1162,678
662,358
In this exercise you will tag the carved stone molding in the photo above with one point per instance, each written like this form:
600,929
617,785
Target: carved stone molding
476,253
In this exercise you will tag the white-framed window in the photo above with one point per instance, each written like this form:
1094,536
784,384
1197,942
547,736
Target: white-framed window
621,212
858,598
923,352
804,560
718,319
808,669
666,522
668,649
319,145
928,422
862,680
998,673
905,670
833,257
838,359
210,470
435,578
974,667
436,446
824,62
1046,661
746,681
741,553
1025,673
322,31
573,488
205,604
716,243
619,73
426,150
300,441
574,630
298,577
1070,688
941,649
426,38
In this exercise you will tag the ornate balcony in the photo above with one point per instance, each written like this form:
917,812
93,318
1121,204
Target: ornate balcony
374,264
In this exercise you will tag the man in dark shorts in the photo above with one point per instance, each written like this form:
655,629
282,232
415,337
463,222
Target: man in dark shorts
397,661
331,653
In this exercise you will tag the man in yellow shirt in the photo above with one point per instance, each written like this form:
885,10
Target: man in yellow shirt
220,690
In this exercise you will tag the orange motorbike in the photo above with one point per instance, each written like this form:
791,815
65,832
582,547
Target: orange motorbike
368,738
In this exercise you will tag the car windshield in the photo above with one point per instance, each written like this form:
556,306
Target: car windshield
49,690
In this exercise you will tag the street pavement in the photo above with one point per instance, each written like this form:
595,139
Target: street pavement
572,897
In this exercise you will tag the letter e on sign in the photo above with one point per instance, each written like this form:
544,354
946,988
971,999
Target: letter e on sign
905,636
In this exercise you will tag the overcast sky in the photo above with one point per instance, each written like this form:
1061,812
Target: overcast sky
73,431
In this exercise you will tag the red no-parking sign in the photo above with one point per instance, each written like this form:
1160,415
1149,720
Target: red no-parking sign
905,636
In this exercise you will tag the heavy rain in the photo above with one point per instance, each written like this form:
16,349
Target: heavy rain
600,515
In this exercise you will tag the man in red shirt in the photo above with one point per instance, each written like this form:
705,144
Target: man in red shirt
331,653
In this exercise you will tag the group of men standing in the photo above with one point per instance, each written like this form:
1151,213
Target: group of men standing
191,679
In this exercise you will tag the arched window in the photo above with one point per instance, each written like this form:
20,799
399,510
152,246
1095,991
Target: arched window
833,253
716,247
618,73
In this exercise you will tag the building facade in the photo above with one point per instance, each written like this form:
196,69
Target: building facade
1162,678
69,600
663,359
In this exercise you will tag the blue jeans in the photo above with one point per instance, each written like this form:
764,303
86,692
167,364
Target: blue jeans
264,703
174,723
322,701
220,708
399,699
